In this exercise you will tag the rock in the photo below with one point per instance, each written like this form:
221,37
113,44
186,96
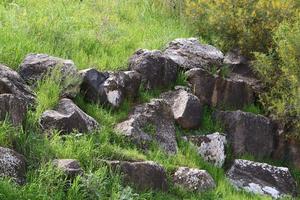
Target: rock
247,132
151,122
186,107
188,53
67,117
210,147
261,178
142,175
109,88
70,167
193,179
12,165
220,92
12,107
12,83
156,69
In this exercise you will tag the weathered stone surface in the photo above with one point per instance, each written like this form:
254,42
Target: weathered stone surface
220,92
66,118
188,53
151,122
12,83
142,175
12,165
261,178
193,179
248,133
186,107
12,107
70,167
156,69
210,147
110,88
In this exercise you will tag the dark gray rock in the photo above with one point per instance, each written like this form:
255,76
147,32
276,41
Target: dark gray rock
156,69
67,117
12,83
70,167
193,179
210,147
152,121
142,175
248,133
188,53
261,178
186,107
220,92
12,165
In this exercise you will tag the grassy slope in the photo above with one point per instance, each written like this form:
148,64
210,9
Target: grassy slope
101,34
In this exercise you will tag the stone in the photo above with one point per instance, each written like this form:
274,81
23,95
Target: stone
186,107
247,132
143,175
149,122
70,167
220,92
188,53
12,107
262,178
193,179
66,118
12,83
156,69
12,165
210,147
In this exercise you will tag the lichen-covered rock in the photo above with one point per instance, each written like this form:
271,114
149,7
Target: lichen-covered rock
248,133
12,165
193,179
70,167
143,175
261,178
156,69
186,107
210,147
220,92
12,83
188,53
67,117
149,122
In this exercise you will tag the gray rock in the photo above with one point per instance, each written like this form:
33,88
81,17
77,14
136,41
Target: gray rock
143,175
193,179
12,83
156,69
67,117
247,132
12,165
261,178
70,167
210,147
186,107
152,121
220,92
188,53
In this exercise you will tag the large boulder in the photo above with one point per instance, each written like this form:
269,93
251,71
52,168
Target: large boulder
220,92
193,179
143,175
248,133
188,53
109,88
12,165
186,107
12,83
67,117
151,122
156,69
70,167
210,147
261,178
